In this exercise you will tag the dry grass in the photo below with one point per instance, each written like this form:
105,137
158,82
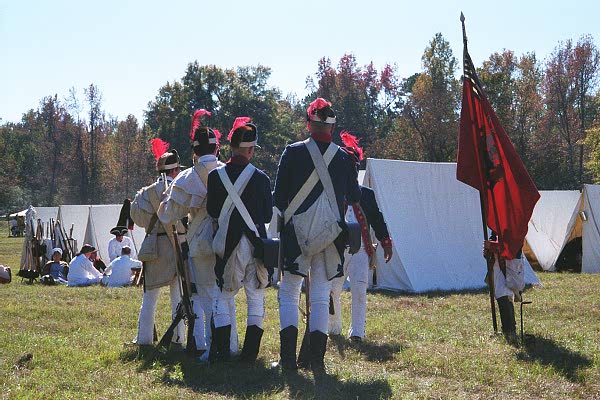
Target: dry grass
68,343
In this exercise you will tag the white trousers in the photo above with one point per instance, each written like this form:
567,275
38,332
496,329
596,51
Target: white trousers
202,304
356,268
500,287
255,299
84,281
289,296
146,318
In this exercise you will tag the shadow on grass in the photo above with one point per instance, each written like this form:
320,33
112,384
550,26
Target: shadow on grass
247,381
547,352
371,351
434,293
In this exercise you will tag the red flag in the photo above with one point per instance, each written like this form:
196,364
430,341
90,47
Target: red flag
487,161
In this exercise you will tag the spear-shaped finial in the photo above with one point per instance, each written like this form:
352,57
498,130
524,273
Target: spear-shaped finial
462,20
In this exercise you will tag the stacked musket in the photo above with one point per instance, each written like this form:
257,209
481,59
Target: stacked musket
40,238
30,256
60,239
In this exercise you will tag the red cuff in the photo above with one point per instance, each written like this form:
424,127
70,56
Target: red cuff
364,228
387,242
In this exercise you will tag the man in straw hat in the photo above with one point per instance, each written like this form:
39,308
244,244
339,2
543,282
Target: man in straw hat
314,178
239,200
160,262
186,197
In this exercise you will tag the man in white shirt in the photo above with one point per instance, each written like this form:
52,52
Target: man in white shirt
119,273
81,269
118,242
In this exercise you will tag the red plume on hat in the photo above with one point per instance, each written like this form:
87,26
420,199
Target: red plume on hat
217,135
238,123
159,147
316,105
196,120
351,143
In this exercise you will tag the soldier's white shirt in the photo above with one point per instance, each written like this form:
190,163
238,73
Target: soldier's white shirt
81,270
119,271
114,248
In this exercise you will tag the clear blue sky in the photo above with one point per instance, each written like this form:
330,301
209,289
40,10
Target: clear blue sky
131,48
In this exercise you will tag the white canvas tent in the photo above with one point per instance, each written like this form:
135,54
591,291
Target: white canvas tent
553,224
435,224
77,217
45,214
101,219
19,214
590,229
558,219
361,176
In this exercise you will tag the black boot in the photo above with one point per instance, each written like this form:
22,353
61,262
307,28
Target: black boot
251,344
219,347
507,318
318,345
287,352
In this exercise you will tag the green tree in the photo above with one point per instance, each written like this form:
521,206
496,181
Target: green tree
95,121
432,105
366,101
513,87
227,93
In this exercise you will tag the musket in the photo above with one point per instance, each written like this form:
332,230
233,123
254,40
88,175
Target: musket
280,229
184,309
63,233
52,232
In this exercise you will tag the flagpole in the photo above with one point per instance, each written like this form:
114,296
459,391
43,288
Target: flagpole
481,147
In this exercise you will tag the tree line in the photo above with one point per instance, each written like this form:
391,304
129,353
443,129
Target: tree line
68,151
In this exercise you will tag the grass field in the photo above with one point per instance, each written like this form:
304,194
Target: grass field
68,343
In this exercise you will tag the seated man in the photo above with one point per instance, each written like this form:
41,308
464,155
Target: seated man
118,242
81,269
119,272
55,271
97,262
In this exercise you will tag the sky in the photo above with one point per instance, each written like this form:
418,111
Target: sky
129,49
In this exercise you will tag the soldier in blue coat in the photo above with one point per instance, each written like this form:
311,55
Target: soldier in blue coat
239,200
314,178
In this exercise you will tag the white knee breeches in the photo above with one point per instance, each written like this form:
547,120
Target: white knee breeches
148,309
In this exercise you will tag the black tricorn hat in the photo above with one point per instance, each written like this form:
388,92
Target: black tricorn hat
119,230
